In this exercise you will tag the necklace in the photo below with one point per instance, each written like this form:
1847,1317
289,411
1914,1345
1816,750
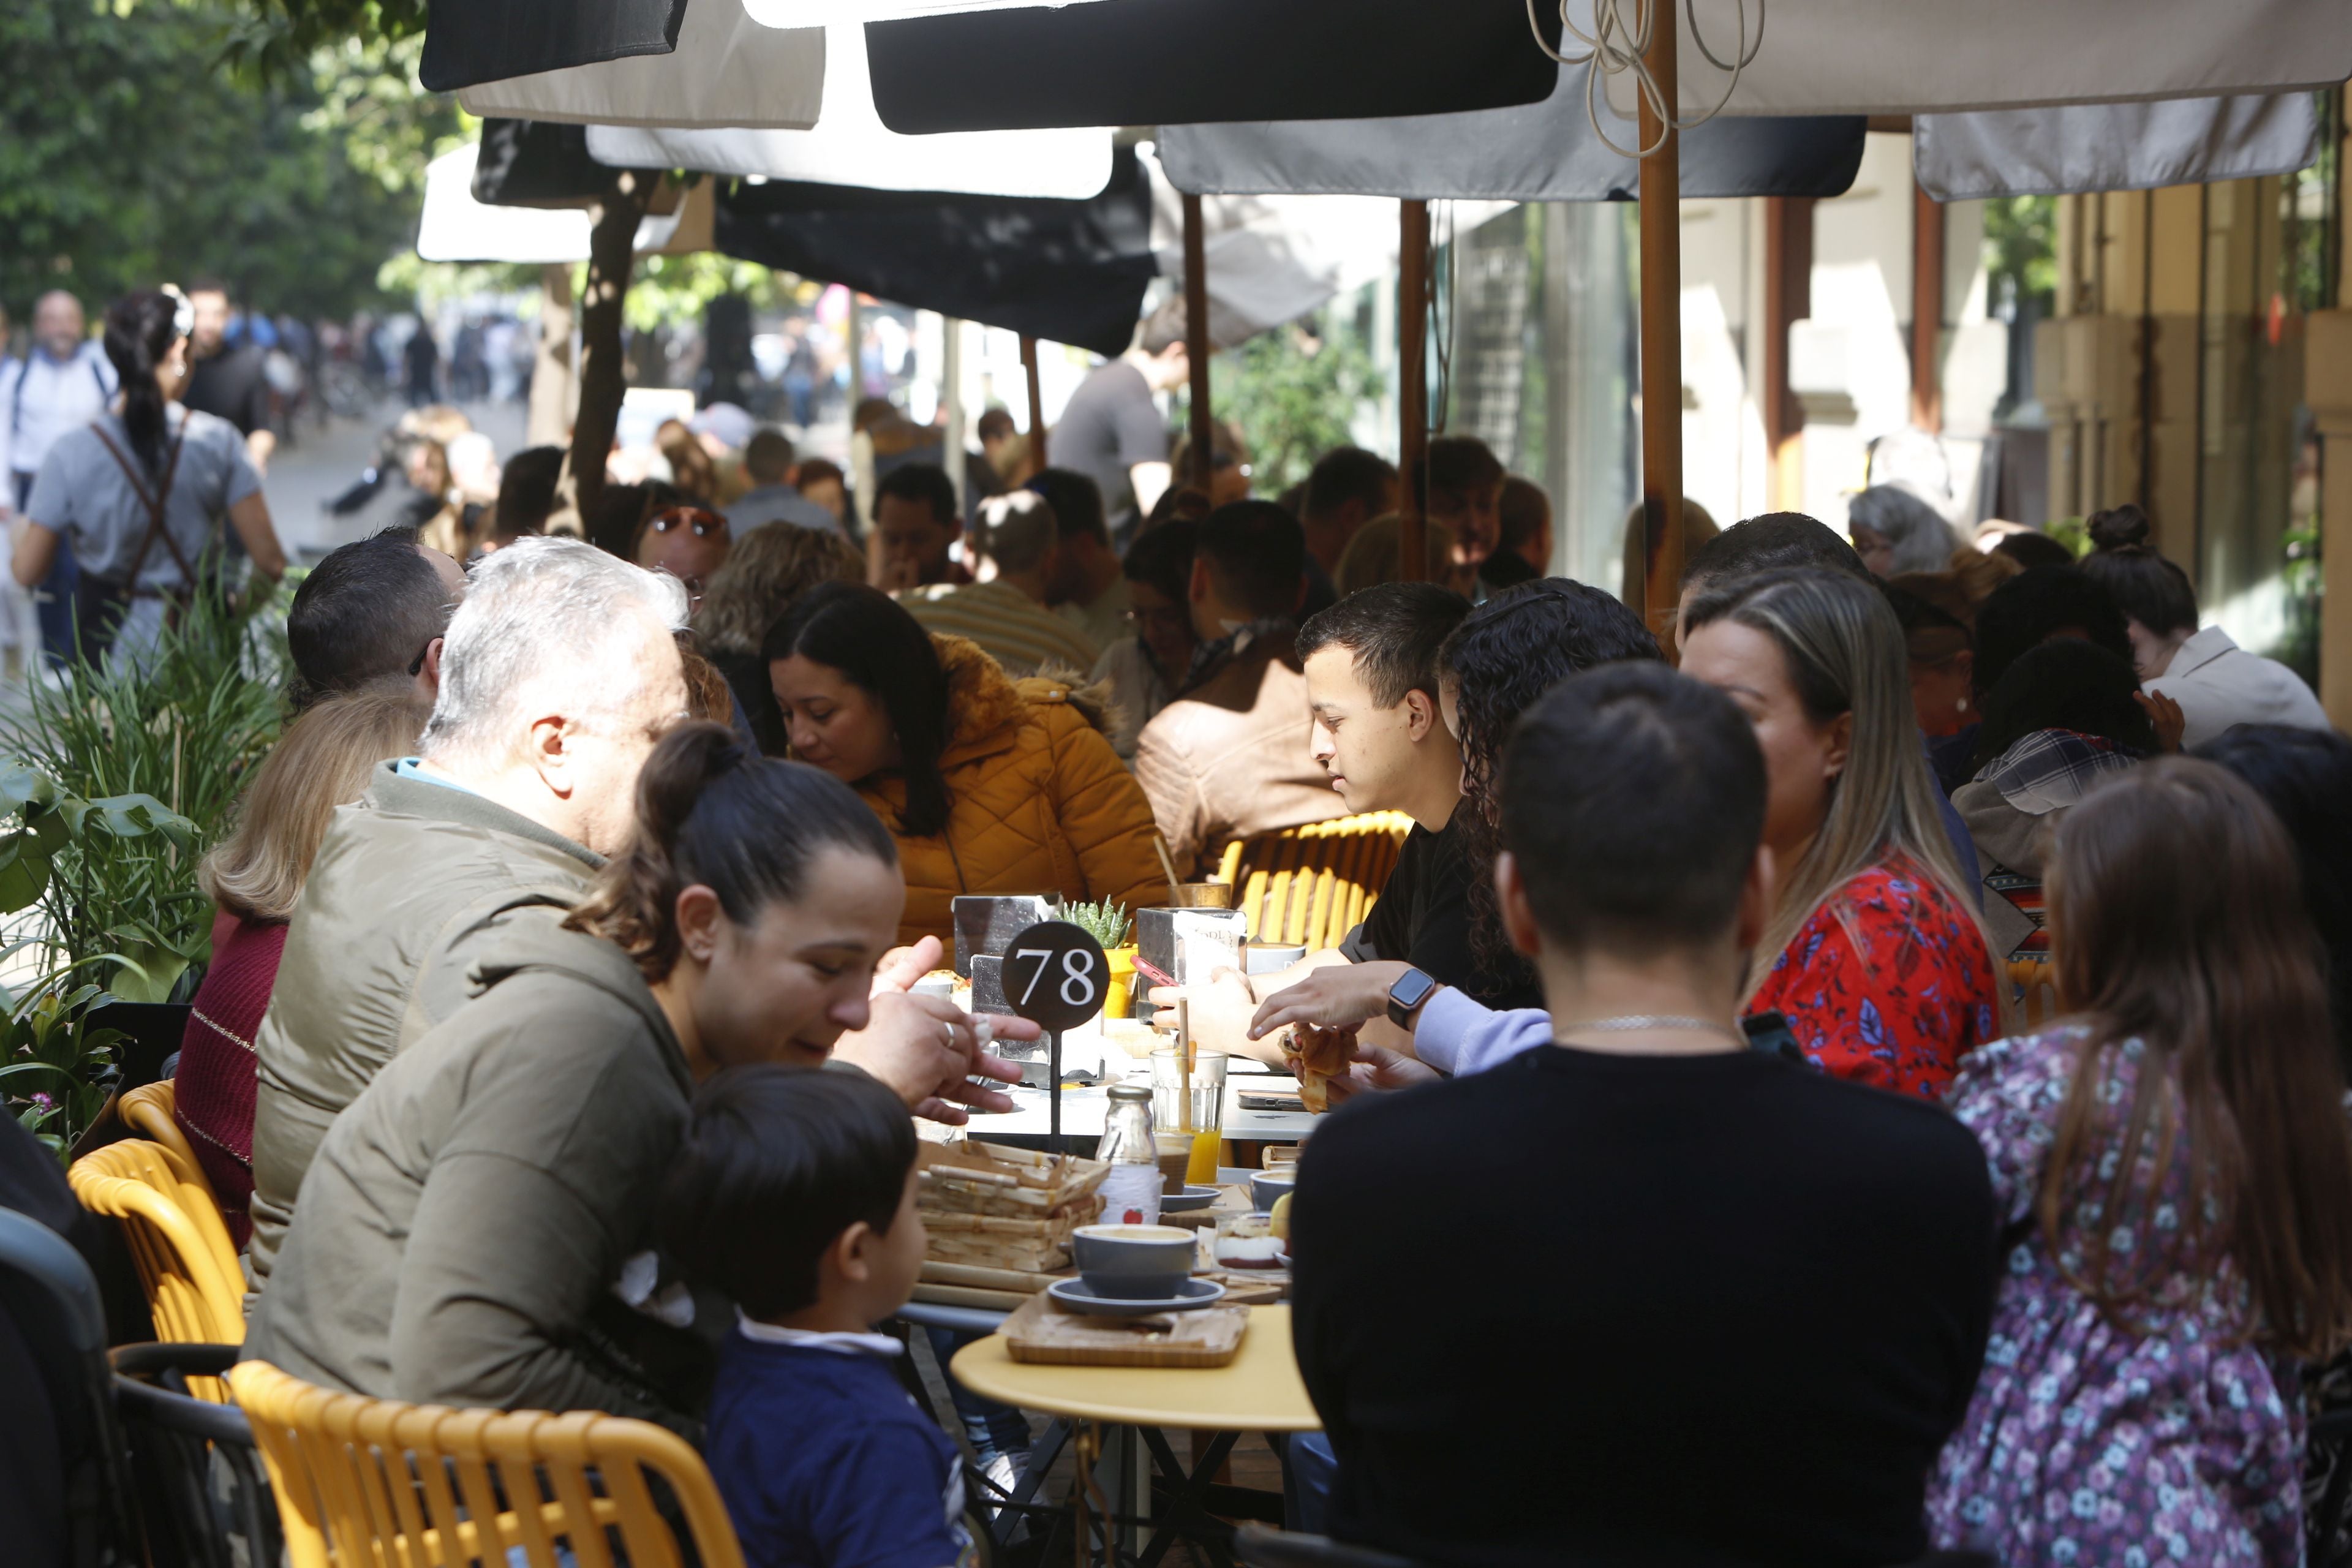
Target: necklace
1633,1022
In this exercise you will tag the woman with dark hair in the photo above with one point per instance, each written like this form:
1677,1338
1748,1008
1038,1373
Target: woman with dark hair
2171,1162
1939,612
141,491
2064,716
990,785
2306,777
1144,670
475,1229
2216,682
1506,653
766,571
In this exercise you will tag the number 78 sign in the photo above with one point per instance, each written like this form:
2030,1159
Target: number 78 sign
1054,974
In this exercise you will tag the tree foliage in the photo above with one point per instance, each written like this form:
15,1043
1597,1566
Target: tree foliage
133,154
1293,395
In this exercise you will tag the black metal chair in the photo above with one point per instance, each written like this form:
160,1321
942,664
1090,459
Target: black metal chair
49,1306
2328,1440
203,1490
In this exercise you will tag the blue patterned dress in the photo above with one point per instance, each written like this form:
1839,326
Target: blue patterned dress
2088,1445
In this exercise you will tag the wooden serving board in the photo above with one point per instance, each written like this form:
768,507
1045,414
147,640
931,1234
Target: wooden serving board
1041,1331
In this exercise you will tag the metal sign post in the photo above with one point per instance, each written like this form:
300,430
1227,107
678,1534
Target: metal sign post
1055,975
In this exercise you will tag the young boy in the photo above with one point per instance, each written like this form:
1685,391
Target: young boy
795,1194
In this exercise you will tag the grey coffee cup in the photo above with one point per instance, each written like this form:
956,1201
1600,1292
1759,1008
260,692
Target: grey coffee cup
1267,1185
1135,1262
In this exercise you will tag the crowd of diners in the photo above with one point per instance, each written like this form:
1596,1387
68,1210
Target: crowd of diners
561,1047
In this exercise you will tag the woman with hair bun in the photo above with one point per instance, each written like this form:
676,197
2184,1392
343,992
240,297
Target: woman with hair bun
475,1230
2216,682
141,491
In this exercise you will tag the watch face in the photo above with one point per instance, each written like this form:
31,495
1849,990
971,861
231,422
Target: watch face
1408,992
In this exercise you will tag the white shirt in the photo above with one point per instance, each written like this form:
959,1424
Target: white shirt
42,398
2218,684
839,1343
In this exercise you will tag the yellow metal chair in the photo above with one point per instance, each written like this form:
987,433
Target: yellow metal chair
374,1483
195,1289
148,1112
2037,994
1311,884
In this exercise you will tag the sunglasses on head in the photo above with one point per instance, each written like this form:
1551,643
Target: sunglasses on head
702,520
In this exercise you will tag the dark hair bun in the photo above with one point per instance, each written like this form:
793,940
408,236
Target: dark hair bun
686,762
2119,528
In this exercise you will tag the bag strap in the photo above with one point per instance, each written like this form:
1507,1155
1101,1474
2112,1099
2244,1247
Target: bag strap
156,526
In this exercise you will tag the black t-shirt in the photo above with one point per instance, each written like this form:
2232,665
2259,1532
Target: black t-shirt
1423,919
1694,1310
1110,426
232,386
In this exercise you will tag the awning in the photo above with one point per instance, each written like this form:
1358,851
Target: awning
472,41
1163,62
1871,57
850,146
1534,152
455,226
726,71
2112,146
1071,271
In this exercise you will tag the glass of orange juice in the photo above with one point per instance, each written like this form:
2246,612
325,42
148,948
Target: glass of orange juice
1196,1108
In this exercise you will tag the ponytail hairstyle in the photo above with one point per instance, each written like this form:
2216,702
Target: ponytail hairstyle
713,812
885,653
140,329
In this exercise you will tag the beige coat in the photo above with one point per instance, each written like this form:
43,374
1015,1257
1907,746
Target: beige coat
1230,757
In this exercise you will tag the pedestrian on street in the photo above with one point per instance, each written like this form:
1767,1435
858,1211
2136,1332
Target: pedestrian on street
62,385
139,491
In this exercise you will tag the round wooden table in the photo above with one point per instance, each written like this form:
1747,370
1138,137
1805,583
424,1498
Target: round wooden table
1258,1391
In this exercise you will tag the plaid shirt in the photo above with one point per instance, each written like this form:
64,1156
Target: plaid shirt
2052,768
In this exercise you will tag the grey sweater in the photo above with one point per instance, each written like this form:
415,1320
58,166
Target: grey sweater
466,1220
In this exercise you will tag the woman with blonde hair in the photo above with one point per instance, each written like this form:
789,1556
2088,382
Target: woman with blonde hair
1880,965
768,569
255,876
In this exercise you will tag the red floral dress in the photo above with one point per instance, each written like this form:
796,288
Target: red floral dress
1889,984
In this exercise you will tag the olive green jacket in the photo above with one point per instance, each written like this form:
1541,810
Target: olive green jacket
468,1224
410,887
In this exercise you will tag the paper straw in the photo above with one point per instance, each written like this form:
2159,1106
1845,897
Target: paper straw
1168,865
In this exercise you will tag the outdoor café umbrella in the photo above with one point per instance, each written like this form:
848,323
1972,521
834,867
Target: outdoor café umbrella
726,71
849,145
470,41
1849,57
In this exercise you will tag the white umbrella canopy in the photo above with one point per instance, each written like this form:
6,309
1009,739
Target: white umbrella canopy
1907,57
850,146
728,71
457,227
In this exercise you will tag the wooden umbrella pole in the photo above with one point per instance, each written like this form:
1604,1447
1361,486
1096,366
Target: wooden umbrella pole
1036,405
1662,342
1197,348
1412,386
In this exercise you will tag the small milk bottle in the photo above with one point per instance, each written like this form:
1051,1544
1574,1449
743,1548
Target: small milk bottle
1131,1189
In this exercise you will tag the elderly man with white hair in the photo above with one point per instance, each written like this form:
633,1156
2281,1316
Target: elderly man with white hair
560,671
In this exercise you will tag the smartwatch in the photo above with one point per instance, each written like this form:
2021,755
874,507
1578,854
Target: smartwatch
1412,989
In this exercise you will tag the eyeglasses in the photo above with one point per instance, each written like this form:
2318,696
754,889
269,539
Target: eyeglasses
703,521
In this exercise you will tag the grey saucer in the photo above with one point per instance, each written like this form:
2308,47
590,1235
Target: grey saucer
1075,1295
1189,1199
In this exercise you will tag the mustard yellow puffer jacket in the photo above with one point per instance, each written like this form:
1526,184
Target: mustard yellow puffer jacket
1040,803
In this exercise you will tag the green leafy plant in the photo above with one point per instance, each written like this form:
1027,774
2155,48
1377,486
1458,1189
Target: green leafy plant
1106,923
144,767
57,1067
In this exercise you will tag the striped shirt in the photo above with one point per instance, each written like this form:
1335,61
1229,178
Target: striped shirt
1018,632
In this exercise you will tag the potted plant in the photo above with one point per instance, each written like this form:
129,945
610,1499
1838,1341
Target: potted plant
1108,924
